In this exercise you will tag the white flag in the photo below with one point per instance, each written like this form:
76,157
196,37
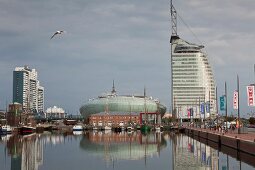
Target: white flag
235,100
250,95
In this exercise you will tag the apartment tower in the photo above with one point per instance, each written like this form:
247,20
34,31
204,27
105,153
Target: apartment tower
27,90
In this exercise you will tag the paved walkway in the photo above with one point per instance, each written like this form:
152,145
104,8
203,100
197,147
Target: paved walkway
249,136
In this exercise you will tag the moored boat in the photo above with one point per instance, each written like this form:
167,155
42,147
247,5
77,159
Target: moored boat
23,130
130,128
107,128
77,128
7,128
145,128
2,131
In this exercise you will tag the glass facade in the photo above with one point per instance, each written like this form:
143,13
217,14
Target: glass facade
192,80
121,105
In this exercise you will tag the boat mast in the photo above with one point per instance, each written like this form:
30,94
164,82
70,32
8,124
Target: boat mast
145,108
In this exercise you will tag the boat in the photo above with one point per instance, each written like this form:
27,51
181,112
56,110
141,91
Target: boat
107,127
2,131
7,128
23,130
77,132
130,128
94,128
77,128
145,128
158,128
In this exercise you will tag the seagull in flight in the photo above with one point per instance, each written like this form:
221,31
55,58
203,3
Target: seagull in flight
57,32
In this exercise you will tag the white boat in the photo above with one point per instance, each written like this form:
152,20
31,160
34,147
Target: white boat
158,129
77,132
7,129
130,128
107,128
95,128
77,128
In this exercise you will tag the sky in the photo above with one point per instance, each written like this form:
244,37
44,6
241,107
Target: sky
124,41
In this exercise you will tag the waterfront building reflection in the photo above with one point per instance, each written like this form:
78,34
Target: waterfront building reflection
26,152
123,146
122,150
192,154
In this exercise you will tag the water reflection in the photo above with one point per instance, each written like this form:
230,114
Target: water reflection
191,154
126,150
122,146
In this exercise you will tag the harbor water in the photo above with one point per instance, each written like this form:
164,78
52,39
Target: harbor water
116,151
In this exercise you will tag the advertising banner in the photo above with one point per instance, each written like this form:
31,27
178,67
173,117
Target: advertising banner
202,108
250,95
207,107
235,100
222,103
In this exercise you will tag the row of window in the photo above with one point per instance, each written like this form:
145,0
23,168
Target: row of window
115,117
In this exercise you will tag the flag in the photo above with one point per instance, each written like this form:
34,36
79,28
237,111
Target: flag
235,100
191,111
222,103
202,108
207,107
250,95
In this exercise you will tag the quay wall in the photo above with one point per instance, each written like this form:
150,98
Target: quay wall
222,140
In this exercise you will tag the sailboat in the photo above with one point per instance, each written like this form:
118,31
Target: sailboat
145,127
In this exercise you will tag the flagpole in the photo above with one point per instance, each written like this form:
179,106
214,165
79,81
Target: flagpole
204,111
226,101
238,108
217,112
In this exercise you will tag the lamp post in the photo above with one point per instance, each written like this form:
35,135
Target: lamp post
226,101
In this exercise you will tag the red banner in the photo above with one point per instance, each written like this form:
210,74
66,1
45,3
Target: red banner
250,95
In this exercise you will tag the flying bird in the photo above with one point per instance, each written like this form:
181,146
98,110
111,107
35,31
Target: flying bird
57,32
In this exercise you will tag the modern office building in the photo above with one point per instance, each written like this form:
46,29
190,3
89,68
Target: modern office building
192,80
27,90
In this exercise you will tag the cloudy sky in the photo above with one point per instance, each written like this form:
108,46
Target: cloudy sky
124,41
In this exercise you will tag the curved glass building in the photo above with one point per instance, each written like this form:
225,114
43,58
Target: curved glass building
113,103
192,80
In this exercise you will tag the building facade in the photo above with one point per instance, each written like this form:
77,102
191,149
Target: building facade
114,120
193,85
120,109
27,90
55,112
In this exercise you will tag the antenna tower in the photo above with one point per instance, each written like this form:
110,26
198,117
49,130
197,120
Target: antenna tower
173,19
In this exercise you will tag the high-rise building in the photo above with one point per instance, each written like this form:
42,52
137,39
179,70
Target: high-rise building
27,90
192,80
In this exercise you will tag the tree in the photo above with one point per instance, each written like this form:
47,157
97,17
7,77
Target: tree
252,120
